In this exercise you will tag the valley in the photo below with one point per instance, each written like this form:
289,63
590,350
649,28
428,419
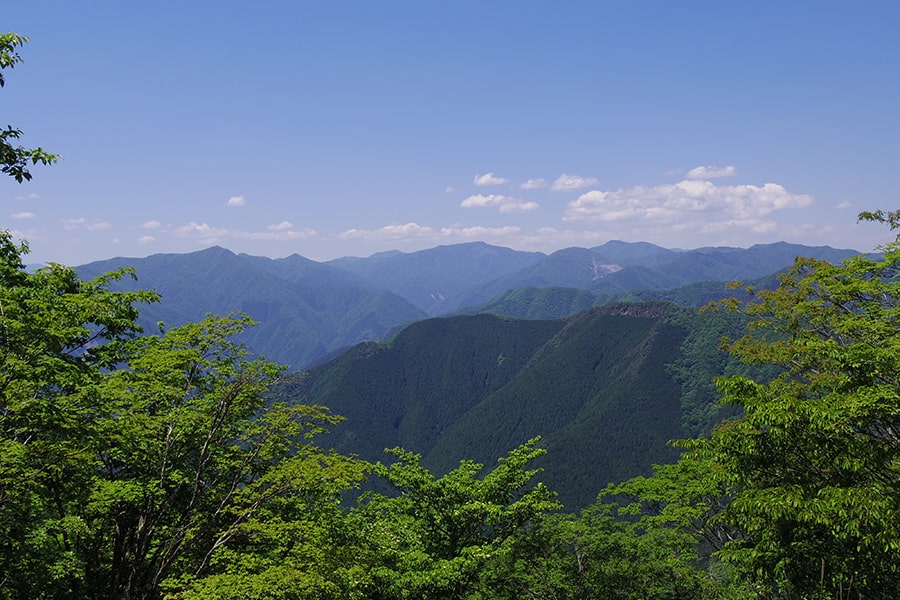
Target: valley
463,352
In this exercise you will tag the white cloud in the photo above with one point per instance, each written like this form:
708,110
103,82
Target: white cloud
480,200
419,236
202,232
547,239
505,204
478,232
550,238
754,225
279,231
73,223
710,172
489,179
534,184
146,239
572,182
390,232
283,226
845,204
151,225
193,228
519,206
236,201
688,206
23,215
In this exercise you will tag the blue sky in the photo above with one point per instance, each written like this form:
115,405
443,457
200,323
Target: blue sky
347,128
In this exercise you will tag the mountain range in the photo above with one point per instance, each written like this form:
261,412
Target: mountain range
310,310
466,351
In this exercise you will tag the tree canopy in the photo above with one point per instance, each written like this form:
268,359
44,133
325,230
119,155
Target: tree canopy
815,458
15,159
807,476
127,460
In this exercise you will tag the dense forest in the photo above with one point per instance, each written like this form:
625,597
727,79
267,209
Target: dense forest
605,389
138,464
147,465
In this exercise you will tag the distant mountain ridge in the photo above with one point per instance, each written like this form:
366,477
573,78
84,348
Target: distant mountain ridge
619,267
433,279
308,310
305,309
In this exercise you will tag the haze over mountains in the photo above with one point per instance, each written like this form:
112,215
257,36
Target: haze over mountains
466,351
308,310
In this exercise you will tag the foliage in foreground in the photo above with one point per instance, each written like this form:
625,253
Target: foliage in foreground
15,159
138,466
126,461
143,466
814,461
806,483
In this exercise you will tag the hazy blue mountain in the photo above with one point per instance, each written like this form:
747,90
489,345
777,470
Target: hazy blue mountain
308,310
571,267
722,264
631,254
617,268
434,279
305,309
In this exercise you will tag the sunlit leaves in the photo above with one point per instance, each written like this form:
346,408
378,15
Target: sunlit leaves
130,463
437,536
15,159
813,463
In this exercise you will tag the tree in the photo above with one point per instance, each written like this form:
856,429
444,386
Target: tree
14,159
132,463
438,537
56,335
813,465
890,218
647,538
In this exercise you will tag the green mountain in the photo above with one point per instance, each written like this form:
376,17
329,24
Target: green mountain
305,309
309,310
536,303
606,389
561,302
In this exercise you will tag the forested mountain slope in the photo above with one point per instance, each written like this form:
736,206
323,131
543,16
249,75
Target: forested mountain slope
304,309
561,302
309,310
606,390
